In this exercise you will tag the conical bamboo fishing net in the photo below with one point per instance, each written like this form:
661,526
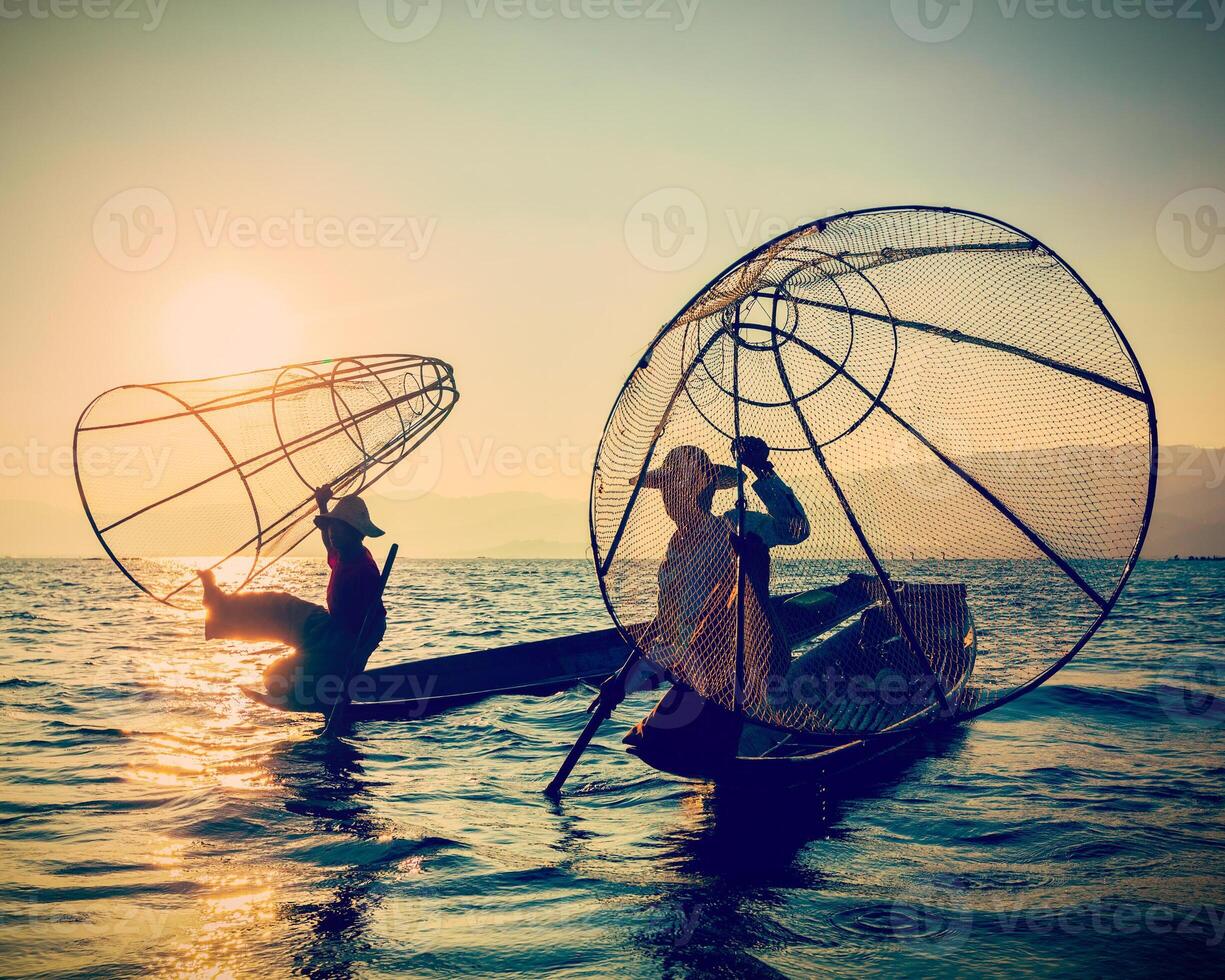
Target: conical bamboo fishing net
966,429
221,472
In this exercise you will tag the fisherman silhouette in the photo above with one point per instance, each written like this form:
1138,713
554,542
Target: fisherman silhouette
730,649
323,638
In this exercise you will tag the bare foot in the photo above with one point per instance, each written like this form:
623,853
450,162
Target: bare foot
211,590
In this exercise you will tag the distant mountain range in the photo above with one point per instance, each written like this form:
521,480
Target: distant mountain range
1189,519
1189,514
496,525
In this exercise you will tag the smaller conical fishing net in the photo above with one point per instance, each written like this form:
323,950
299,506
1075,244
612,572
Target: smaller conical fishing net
221,472
967,434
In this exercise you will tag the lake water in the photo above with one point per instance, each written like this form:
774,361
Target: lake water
153,820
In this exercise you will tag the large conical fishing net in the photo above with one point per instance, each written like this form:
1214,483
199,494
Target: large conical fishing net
221,473
966,430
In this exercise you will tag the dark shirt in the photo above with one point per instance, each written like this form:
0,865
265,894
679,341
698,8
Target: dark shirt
353,590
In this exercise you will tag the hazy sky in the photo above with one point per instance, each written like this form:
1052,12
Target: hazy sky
476,184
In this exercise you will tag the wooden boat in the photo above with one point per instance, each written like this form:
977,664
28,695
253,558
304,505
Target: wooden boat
425,687
771,756
767,756
542,667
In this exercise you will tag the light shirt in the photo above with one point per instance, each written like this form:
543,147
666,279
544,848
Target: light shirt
700,562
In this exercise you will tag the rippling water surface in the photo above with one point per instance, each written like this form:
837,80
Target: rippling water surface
152,820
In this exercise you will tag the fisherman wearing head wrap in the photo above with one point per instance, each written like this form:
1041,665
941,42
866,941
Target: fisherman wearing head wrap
351,626
698,631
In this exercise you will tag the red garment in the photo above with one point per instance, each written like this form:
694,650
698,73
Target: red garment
353,590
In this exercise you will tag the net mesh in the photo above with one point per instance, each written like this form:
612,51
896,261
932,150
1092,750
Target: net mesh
968,441
221,472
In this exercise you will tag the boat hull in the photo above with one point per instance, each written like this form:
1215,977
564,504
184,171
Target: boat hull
426,687
422,688
861,730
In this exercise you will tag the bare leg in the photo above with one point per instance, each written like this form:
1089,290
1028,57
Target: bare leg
259,617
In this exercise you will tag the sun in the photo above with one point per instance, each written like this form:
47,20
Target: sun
226,323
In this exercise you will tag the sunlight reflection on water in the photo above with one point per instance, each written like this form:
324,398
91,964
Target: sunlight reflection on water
153,819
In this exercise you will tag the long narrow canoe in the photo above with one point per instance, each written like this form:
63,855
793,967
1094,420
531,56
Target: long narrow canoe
865,731
425,687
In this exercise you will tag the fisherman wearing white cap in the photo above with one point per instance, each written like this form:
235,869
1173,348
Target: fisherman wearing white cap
323,638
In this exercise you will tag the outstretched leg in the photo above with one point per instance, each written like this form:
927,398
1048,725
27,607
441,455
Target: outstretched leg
276,617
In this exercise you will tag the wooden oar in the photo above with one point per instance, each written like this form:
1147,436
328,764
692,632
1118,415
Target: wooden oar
337,712
612,693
